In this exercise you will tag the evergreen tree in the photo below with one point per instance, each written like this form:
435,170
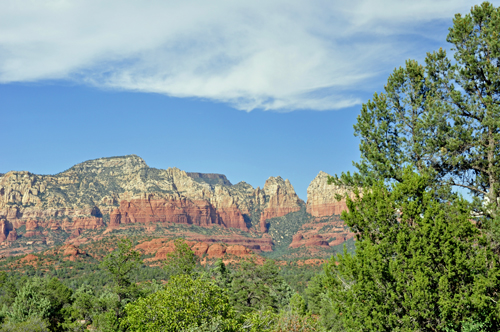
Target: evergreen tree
119,264
255,287
184,304
441,118
420,263
182,261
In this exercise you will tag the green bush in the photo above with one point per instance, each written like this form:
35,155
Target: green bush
33,324
183,304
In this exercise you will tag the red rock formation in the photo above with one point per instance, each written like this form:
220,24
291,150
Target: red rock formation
30,258
341,238
32,233
296,241
76,233
238,250
151,247
327,209
54,225
70,250
321,197
4,229
162,247
281,200
216,251
12,236
31,225
83,223
232,217
175,210
164,251
256,244
200,248
316,240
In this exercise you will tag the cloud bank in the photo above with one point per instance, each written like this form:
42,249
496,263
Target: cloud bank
260,54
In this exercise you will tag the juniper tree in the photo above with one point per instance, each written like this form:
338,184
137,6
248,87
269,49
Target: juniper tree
420,264
442,118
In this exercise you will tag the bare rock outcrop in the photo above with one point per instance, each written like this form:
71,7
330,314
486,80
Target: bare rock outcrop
216,250
321,199
239,251
278,198
4,229
281,198
12,236
179,210
200,248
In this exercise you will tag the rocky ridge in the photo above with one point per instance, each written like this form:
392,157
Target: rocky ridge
110,193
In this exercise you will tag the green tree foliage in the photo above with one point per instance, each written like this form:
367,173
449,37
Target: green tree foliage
120,263
81,312
315,293
182,260
256,287
29,302
42,298
420,263
298,305
442,118
9,286
221,274
260,321
32,324
185,303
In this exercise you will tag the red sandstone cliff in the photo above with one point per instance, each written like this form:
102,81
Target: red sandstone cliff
131,192
123,187
162,247
178,210
321,201
278,198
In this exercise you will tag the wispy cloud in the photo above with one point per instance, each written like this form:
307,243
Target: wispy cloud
273,55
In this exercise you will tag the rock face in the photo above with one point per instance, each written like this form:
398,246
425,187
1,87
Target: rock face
120,191
4,229
162,247
131,192
179,210
321,201
279,199
12,236
209,178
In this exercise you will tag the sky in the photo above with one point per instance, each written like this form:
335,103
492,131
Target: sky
249,89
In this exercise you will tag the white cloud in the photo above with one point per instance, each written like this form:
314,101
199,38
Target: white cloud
274,55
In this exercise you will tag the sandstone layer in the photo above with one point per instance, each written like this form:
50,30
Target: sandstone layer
279,198
119,192
176,210
162,247
321,197
129,191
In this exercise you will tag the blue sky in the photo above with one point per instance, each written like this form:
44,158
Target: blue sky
247,89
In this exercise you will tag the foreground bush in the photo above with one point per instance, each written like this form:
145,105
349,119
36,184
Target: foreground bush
33,324
184,304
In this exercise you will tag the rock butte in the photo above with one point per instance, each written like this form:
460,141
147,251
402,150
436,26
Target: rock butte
321,199
129,192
